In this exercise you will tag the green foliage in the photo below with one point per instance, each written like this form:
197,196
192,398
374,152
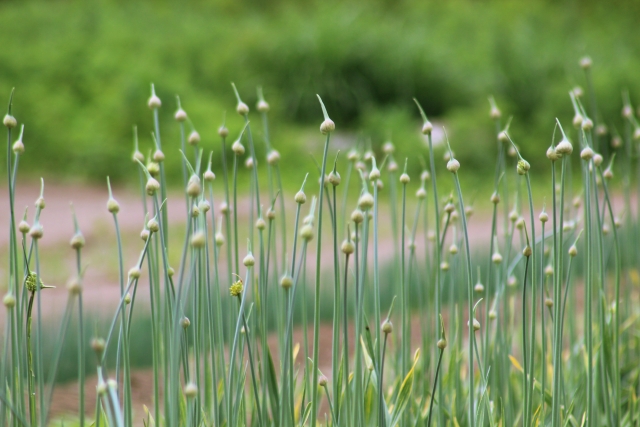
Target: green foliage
82,71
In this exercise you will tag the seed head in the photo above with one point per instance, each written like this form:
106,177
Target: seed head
327,126
513,216
249,260
442,343
608,174
427,128
286,281
152,186
453,249
586,153
193,186
365,201
77,241
271,214
190,390
237,148
520,223
548,270
357,216
493,315
421,193
248,163
9,121
137,156
564,147
453,165
387,327
273,157
242,108
449,207
24,227
224,208
476,325
198,240
444,266
9,300
503,136
194,138
404,178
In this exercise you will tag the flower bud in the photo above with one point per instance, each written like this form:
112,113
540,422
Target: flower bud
427,128
453,249
444,266
543,217
453,165
190,390
527,251
237,148
185,322
585,63
137,155
300,197
198,240
271,214
503,136
154,102
77,241
421,193
347,247
442,343
24,227
586,153
224,208
564,147
9,301
552,154
357,216
478,288
495,113
134,272
273,157
242,108
577,92
263,106
577,120
194,138
387,327
496,258
388,147
597,159
180,115
548,302
223,131
9,121
18,146
587,124
493,315
392,166
523,167
260,224
608,174
327,126
476,325
449,207
153,168
322,381
404,178
249,260
365,201
286,281
209,176
144,234
307,232
153,225
98,345
193,186
219,239
36,231
495,198
158,156
152,186
573,251
334,178
127,298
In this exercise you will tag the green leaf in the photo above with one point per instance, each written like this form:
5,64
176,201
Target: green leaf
272,383
404,395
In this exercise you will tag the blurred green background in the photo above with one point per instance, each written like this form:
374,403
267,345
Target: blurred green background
82,71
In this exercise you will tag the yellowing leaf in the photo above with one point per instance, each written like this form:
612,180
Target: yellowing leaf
515,363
